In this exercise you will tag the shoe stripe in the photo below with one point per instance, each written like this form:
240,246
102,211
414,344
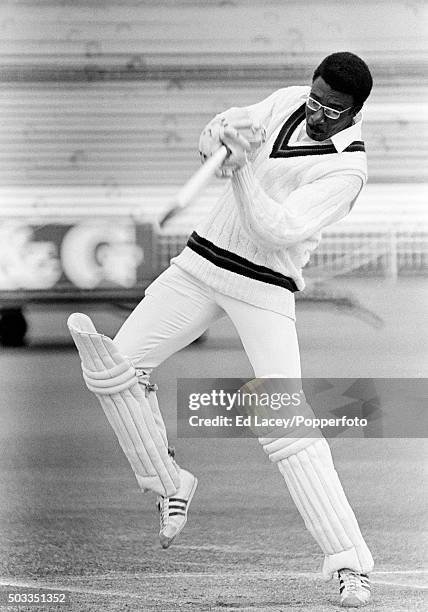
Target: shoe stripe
177,513
177,499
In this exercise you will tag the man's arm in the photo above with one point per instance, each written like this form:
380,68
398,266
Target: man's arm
308,209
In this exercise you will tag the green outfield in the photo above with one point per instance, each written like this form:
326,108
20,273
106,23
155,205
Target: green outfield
72,517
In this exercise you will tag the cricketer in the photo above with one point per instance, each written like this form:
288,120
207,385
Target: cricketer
296,163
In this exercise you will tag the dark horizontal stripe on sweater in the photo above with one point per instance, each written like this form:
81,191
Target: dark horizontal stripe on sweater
235,263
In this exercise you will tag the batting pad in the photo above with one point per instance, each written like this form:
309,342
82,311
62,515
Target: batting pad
113,380
318,494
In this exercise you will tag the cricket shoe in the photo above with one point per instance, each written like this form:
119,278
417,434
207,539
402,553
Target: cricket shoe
173,510
354,588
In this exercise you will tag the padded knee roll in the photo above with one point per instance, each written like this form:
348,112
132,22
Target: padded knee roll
141,434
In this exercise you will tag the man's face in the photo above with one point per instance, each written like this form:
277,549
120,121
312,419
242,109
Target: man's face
318,126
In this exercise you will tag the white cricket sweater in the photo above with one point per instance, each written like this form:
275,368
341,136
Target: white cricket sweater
257,238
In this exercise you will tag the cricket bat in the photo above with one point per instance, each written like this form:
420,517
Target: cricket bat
196,183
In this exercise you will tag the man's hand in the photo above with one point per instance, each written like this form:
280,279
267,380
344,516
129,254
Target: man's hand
238,133
237,146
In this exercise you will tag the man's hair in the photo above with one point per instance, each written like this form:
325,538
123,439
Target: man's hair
347,73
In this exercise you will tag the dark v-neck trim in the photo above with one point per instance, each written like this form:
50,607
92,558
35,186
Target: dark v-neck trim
281,148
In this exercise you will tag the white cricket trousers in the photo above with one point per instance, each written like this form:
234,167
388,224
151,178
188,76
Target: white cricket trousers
178,308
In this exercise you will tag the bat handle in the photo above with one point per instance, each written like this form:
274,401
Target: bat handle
199,180
195,184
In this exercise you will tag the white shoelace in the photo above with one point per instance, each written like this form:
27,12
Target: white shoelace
352,581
